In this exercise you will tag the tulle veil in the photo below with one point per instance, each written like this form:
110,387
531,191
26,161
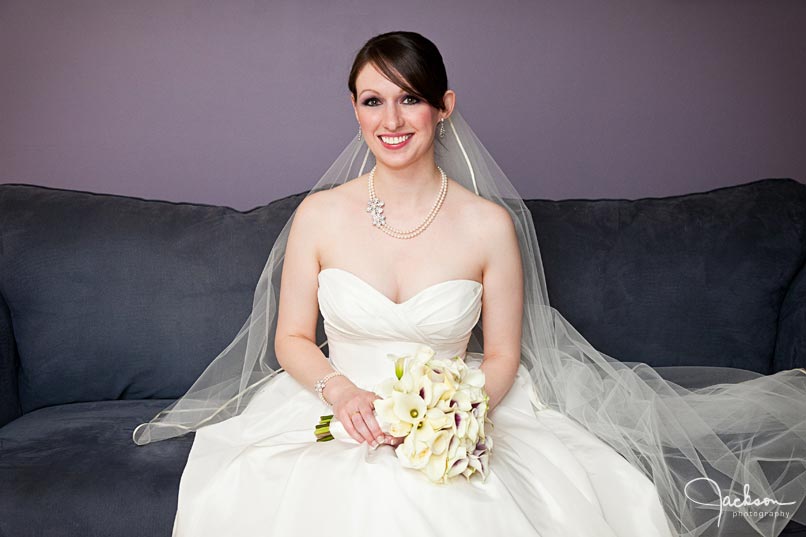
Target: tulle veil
742,439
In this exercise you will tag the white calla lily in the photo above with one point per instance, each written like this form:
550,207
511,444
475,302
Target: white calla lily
399,428
463,400
409,407
435,373
400,367
453,447
385,410
412,453
436,468
386,387
444,405
418,450
424,432
472,426
439,444
423,354
426,390
461,426
456,467
438,406
474,377
439,419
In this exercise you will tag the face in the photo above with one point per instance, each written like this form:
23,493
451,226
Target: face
398,127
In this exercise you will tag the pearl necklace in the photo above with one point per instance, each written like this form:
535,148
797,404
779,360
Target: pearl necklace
375,206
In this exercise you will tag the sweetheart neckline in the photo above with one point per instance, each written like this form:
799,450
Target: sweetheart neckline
389,300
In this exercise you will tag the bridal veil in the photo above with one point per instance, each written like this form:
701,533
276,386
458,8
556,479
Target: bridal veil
741,439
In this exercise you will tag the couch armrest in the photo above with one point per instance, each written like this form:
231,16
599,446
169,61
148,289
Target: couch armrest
790,344
9,363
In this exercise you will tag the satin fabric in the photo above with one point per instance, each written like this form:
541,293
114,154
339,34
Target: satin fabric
262,472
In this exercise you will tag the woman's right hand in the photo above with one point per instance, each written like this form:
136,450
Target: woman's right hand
354,408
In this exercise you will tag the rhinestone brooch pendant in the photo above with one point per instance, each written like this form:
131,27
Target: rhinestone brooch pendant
375,206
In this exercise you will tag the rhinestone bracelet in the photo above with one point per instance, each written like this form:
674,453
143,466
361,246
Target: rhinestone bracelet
320,386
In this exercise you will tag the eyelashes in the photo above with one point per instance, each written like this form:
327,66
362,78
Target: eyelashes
407,99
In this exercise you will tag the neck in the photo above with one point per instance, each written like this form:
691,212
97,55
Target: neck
408,187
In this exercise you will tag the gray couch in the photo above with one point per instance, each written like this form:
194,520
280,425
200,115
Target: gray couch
110,307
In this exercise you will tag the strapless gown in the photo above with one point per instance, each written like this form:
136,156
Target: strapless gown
263,473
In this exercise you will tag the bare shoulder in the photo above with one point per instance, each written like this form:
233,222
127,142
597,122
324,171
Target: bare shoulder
498,233
309,210
339,194
309,217
486,218
490,225
320,205
320,212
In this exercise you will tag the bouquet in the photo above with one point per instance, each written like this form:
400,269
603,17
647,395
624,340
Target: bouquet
439,407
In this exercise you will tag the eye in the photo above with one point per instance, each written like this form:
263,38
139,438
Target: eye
372,101
411,99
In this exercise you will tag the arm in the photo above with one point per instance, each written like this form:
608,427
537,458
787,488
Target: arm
298,311
502,304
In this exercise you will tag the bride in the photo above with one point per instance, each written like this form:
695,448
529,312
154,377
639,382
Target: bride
415,237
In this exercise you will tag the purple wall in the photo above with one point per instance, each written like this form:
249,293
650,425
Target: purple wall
241,102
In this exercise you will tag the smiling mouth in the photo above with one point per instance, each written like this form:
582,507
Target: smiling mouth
395,140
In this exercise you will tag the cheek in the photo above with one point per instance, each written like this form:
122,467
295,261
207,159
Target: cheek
423,119
367,116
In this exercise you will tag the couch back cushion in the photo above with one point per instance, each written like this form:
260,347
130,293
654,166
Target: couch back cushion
790,347
113,297
696,279
9,364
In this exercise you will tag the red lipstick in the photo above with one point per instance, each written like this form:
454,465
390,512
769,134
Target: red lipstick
395,146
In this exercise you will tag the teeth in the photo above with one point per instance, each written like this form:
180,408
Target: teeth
394,140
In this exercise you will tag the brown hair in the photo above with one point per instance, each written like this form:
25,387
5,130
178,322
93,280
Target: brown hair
409,60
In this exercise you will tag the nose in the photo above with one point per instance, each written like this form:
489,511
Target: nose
392,119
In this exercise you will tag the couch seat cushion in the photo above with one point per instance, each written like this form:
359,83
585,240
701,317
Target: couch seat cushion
74,470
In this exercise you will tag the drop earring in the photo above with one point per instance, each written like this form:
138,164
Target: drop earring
359,133
442,128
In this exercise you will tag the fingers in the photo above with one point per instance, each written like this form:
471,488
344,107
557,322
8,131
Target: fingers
356,427
350,428
376,435
360,422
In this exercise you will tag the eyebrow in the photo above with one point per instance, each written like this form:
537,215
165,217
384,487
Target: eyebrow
402,91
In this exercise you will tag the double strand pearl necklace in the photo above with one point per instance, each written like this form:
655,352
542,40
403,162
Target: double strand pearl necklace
375,206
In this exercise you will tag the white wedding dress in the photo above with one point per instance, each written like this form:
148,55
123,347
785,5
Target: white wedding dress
262,472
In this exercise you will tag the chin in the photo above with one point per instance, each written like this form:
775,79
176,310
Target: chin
396,164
